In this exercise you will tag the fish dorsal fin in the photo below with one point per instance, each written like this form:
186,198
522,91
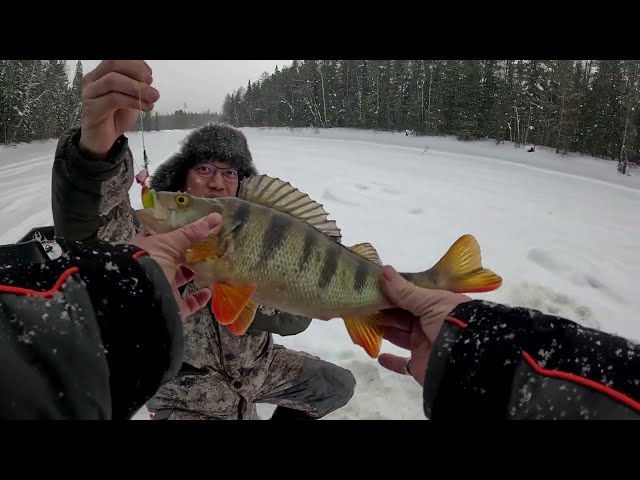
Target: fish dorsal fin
366,250
282,196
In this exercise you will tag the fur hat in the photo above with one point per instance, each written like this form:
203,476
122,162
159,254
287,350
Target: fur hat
211,142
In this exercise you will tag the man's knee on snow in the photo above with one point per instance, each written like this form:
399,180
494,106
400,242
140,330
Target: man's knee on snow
331,386
346,382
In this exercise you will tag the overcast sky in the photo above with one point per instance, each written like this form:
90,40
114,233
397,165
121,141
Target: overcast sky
201,84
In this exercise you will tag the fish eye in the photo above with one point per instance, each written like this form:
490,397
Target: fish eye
182,200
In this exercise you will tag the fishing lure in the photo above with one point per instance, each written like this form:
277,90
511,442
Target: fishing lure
142,177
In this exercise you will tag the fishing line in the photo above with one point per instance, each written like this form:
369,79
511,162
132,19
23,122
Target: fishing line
142,177
144,149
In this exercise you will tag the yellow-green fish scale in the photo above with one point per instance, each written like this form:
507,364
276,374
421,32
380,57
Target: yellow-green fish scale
296,267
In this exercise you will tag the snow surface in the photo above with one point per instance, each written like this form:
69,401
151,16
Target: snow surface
562,231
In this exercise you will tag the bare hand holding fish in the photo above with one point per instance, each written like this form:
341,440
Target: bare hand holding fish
168,250
276,247
415,324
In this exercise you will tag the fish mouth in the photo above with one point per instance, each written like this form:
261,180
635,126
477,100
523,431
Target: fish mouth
154,217
167,211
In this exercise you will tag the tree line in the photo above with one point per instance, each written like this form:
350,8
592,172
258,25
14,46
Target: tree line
584,106
39,101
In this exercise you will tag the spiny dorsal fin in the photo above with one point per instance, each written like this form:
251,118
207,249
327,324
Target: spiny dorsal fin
366,250
282,196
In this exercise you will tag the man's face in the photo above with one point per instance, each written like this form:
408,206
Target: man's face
212,180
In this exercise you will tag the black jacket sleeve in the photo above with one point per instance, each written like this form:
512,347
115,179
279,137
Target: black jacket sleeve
498,362
92,334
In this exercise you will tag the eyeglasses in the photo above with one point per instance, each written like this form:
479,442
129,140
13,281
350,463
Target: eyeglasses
207,170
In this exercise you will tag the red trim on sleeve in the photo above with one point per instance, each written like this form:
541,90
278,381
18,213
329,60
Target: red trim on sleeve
622,398
139,253
582,381
456,321
26,291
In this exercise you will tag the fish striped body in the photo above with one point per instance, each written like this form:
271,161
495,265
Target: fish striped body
295,267
277,248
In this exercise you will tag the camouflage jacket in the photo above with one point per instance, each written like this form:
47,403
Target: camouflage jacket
90,199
